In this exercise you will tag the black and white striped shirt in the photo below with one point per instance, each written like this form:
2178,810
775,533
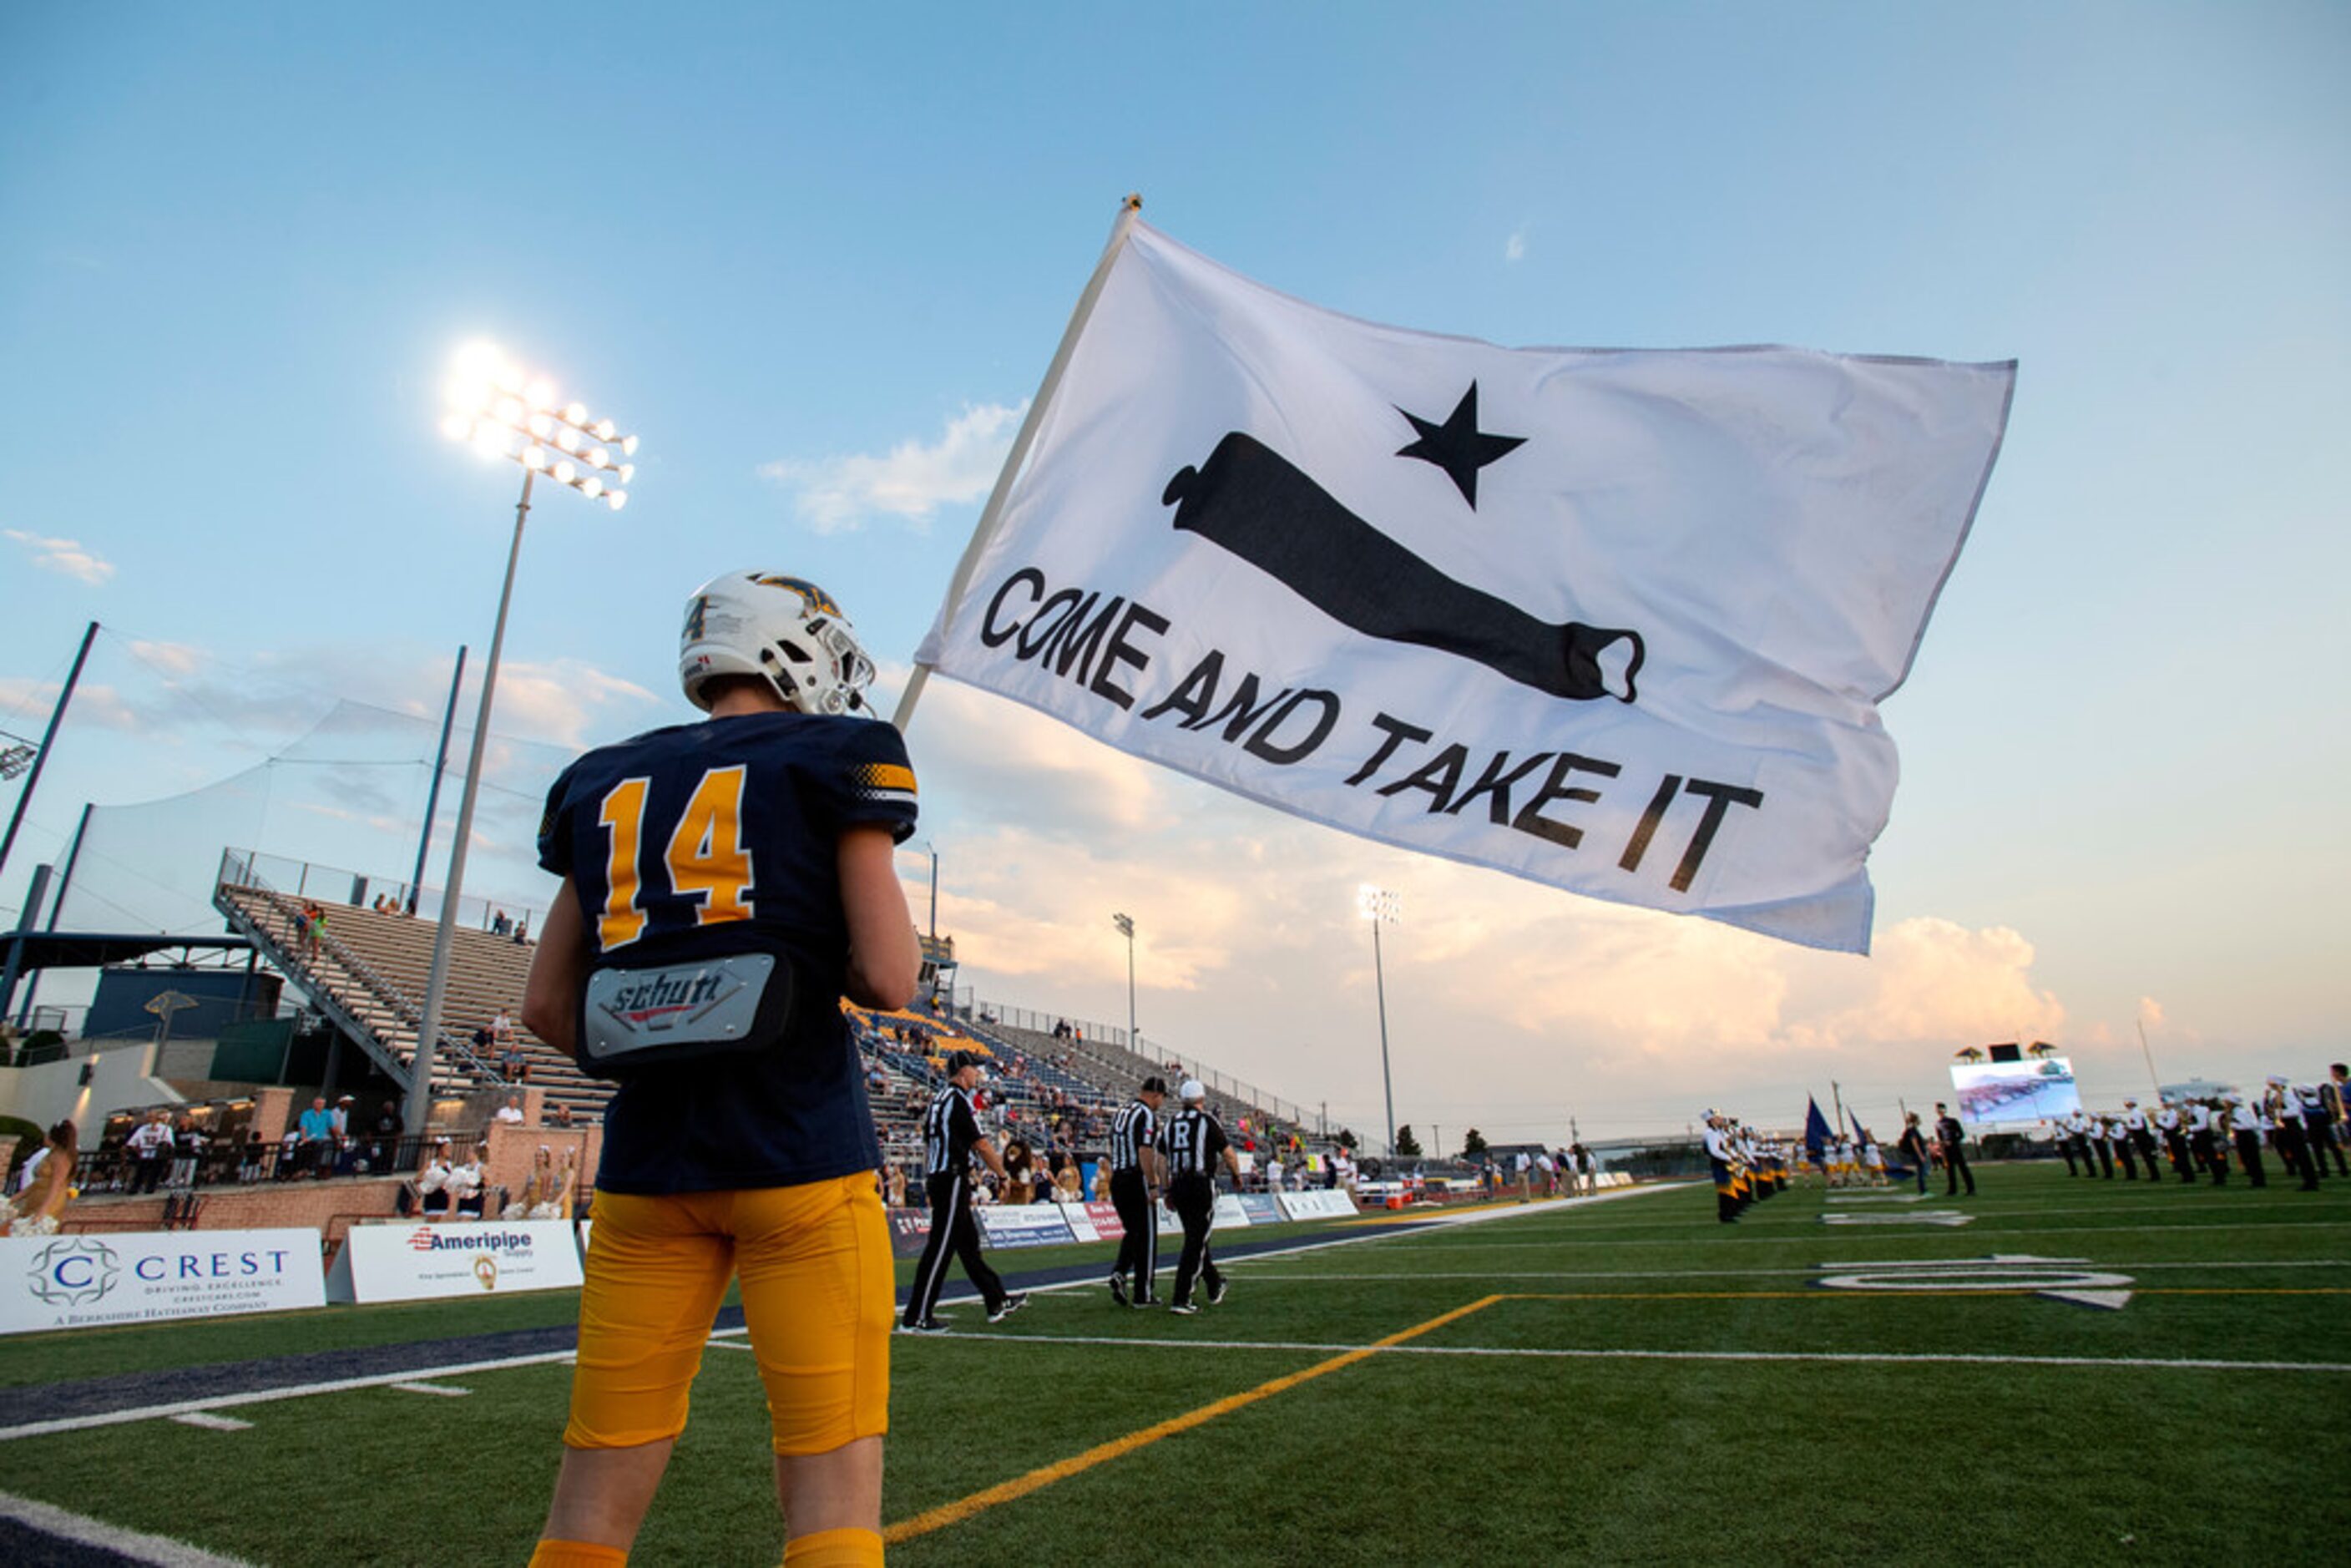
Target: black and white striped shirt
1136,1130
1192,1140
949,1130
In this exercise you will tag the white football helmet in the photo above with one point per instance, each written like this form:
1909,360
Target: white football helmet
786,629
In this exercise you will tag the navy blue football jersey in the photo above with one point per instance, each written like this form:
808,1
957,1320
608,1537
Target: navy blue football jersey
716,838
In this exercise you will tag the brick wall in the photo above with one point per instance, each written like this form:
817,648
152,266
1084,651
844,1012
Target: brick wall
327,1207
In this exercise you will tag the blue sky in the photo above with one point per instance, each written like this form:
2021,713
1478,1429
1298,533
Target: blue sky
819,258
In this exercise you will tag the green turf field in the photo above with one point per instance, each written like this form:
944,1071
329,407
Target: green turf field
1623,1381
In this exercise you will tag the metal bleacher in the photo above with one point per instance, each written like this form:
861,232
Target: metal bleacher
369,975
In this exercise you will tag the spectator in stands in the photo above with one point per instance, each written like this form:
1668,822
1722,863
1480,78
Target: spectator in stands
510,1113
560,1116
384,1137
184,1152
312,927
499,924
512,1065
894,1185
316,1130
522,932
151,1151
44,1187
251,1155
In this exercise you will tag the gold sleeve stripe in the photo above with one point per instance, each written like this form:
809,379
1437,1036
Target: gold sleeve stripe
883,776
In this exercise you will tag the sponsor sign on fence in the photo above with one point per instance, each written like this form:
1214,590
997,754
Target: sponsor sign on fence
1320,1204
910,1229
1229,1212
1024,1225
1262,1207
412,1262
80,1281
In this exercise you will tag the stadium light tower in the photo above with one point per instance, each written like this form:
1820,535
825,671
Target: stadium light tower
1381,907
505,413
1127,929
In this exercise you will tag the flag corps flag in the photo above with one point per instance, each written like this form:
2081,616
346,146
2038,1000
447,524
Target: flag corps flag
1816,1129
1613,619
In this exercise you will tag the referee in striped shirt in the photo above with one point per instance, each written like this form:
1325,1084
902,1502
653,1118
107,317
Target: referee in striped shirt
951,1136
1136,1176
1193,1141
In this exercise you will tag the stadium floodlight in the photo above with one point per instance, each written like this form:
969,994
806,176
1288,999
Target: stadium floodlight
1381,907
502,412
1127,929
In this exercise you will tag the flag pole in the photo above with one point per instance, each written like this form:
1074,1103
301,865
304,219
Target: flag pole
992,514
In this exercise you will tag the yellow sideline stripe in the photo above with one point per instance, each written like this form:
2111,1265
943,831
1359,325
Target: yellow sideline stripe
1062,1469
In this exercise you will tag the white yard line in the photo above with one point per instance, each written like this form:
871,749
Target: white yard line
162,1552
211,1423
1241,1268
1533,1352
1798,1235
442,1389
268,1395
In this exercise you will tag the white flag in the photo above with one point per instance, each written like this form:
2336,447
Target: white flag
1613,619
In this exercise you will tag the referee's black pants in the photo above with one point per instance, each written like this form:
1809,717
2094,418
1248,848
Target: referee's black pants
1194,1199
952,1229
1138,1246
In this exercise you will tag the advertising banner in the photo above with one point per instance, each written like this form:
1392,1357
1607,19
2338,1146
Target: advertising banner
1024,1225
80,1281
910,1229
1102,1219
1320,1204
412,1262
1229,1212
1262,1207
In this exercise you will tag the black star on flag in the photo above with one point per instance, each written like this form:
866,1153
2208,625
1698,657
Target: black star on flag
1457,446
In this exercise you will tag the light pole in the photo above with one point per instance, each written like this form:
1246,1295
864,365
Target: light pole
503,413
1381,907
1127,929
933,848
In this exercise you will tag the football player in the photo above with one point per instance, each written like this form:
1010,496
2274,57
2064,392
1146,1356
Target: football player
725,883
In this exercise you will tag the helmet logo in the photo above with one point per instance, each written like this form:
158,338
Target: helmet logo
816,598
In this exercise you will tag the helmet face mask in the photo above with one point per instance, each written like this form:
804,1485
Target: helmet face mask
784,629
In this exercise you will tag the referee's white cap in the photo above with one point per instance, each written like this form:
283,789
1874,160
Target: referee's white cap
1193,1089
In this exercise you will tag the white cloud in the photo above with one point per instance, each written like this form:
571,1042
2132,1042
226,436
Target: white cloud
560,702
172,658
67,556
1515,248
913,480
